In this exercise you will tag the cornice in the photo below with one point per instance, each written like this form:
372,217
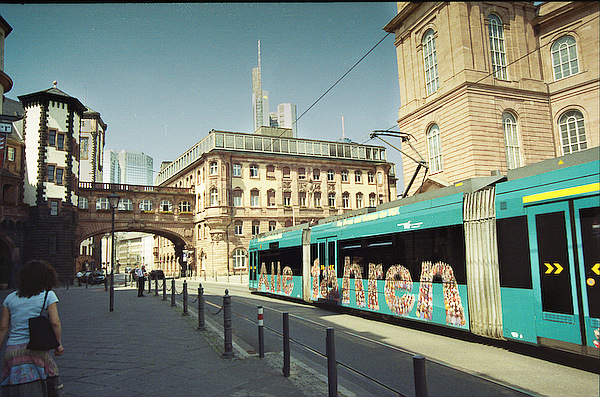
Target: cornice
5,81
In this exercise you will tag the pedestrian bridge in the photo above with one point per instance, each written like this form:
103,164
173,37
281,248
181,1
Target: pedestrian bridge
164,211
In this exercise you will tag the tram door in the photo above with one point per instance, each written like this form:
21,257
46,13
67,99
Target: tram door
253,269
564,241
326,252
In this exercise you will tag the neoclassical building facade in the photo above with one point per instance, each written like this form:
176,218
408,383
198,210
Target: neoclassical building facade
491,86
246,184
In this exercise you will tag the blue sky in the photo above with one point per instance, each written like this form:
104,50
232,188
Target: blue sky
163,75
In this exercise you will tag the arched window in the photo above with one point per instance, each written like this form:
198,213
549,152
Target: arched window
166,206
254,198
238,195
146,205
125,204
102,204
272,225
271,198
359,200
331,200
317,199
372,200
497,47
572,132
185,206
564,57
346,200
255,227
511,140
214,168
239,258
430,61
434,147
288,223
214,196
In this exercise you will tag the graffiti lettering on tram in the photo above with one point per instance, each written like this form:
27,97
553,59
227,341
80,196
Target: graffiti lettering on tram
455,314
398,278
281,281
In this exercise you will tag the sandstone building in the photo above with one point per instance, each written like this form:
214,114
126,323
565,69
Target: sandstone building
250,183
488,86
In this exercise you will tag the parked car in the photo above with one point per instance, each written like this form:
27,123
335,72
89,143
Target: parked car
94,277
157,275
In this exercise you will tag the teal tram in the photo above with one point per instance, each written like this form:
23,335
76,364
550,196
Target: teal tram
513,257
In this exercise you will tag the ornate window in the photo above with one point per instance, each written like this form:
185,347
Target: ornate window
255,227
237,198
572,132
316,174
302,199
434,147
331,200
497,47
237,170
83,203
564,57
125,204
430,61
145,205
511,140
286,172
317,198
214,196
271,198
372,200
166,206
344,176
370,177
254,171
213,168
254,198
272,225
287,199
102,204
346,200
330,175
358,176
239,258
270,171
238,228
301,173
359,200
185,206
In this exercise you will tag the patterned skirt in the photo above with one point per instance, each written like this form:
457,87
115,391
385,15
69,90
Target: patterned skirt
24,366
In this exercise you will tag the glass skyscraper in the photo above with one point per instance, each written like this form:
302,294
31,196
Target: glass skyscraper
130,168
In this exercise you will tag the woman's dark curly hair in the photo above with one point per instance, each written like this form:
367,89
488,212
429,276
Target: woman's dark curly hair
35,277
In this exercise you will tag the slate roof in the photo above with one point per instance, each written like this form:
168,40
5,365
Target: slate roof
54,94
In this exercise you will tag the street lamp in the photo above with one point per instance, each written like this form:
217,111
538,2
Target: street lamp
113,200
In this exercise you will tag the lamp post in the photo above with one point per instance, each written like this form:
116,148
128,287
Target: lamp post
113,200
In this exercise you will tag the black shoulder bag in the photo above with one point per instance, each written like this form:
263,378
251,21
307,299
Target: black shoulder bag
41,334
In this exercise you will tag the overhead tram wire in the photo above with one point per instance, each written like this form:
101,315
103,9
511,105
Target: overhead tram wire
338,80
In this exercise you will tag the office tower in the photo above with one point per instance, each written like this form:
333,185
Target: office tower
130,168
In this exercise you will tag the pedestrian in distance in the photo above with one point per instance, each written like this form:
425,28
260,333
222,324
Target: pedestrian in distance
141,273
28,372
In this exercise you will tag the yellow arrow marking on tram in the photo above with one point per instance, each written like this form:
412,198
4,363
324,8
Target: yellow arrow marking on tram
596,269
559,268
550,268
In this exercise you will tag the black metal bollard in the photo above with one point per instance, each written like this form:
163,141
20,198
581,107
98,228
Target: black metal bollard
420,370
149,285
105,283
286,345
228,340
156,286
173,292
112,292
201,325
261,333
331,363
185,299
164,289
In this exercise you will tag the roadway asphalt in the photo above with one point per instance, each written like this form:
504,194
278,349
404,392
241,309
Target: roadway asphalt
147,348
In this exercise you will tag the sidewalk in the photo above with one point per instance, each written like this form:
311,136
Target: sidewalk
147,348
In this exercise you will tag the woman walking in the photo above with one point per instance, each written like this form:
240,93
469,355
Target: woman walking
30,372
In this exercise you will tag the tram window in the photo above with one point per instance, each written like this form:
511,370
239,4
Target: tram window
551,233
331,253
409,249
590,230
513,252
313,253
292,257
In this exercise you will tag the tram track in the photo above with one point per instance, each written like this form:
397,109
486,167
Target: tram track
250,303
